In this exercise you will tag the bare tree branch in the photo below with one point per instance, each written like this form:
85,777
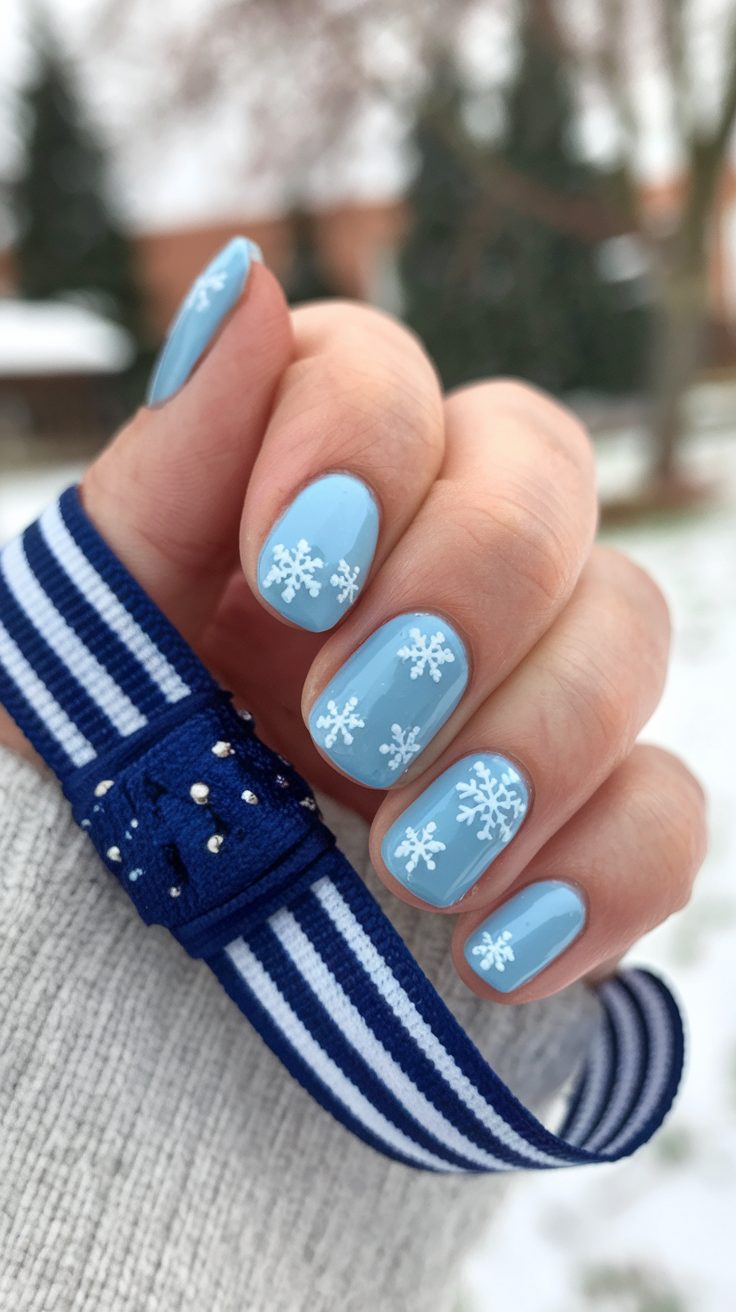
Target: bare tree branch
672,28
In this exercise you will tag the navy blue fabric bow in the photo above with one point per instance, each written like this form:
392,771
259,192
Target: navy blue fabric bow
216,837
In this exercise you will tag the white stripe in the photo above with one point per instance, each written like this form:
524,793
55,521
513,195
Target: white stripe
597,1081
659,1031
79,751
629,1069
405,1011
62,639
73,561
326,1070
359,1035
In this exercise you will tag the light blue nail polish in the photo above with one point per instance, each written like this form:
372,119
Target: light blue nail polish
444,841
317,558
525,934
199,316
389,700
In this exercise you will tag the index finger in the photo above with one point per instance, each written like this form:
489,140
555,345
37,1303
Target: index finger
354,443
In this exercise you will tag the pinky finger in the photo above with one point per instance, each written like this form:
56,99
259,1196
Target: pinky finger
618,868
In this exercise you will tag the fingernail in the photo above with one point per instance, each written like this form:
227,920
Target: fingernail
444,841
317,558
200,314
389,700
525,934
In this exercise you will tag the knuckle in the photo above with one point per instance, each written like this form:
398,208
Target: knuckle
558,426
536,544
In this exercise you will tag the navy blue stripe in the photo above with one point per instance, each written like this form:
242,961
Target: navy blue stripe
89,719
378,1015
313,1015
260,1019
624,1061
131,595
105,646
676,1036
593,1116
33,726
445,1027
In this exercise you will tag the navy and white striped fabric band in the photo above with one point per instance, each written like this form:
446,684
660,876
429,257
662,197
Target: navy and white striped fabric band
216,837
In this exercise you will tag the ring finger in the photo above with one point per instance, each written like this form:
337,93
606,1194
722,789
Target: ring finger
536,750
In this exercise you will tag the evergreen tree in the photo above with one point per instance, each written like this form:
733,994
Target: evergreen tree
492,289
69,242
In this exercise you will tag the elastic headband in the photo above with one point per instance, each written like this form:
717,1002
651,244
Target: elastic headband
219,839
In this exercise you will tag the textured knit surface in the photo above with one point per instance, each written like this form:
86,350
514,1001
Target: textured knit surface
156,1157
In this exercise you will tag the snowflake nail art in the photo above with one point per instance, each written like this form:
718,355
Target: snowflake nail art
498,802
475,808
400,711
540,921
345,579
426,652
295,568
200,298
334,524
403,747
494,952
340,722
420,847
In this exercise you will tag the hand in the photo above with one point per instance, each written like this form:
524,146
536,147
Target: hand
551,652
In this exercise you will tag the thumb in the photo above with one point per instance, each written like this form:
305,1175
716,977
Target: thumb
167,494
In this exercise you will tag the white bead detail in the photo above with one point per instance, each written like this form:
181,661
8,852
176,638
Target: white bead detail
134,874
174,891
103,787
114,854
282,783
309,802
223,749
245,715
199,793
250,797
215,843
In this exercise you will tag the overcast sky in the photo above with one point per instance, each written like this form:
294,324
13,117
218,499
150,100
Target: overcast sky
217,158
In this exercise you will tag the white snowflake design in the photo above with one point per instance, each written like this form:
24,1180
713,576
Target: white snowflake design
199,297
295,569
403,747
494,951
420,847
496,801
340,721
426,652
345,578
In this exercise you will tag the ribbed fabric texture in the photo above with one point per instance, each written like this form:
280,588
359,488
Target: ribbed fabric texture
155,1156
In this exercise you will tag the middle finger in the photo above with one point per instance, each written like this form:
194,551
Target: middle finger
482,572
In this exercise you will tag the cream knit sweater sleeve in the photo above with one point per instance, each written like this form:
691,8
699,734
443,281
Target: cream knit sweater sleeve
156,1157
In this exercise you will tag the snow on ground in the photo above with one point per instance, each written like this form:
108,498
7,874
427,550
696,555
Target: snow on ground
656,1233
650,1234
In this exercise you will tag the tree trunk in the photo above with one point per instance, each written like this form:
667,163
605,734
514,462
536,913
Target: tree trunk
682,308
680,326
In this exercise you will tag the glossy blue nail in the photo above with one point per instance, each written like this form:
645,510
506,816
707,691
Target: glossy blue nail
525,934
317,558
199,316
389,700
444,841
